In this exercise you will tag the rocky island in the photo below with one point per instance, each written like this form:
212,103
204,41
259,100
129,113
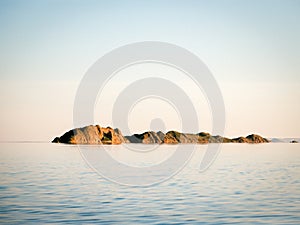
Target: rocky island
101,135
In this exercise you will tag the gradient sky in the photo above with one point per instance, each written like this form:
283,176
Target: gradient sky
251,47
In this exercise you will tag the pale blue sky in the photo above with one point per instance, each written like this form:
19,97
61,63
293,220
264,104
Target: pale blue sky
45,45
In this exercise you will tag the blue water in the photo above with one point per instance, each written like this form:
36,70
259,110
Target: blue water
247,184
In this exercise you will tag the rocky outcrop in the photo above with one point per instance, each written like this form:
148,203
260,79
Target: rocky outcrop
100,135
252,139
174,137
149,137
92,135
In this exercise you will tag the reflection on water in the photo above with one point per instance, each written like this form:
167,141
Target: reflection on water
255,184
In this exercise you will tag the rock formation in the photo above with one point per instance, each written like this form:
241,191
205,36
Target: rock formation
100,135
253,138
149,137
92,135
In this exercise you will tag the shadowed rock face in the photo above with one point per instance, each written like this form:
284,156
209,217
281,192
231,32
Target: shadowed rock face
100,135
149,137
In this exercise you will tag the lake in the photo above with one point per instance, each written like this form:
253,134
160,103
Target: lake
247,184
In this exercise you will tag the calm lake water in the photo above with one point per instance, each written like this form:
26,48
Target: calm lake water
247,184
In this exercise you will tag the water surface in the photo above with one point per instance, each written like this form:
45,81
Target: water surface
247,184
